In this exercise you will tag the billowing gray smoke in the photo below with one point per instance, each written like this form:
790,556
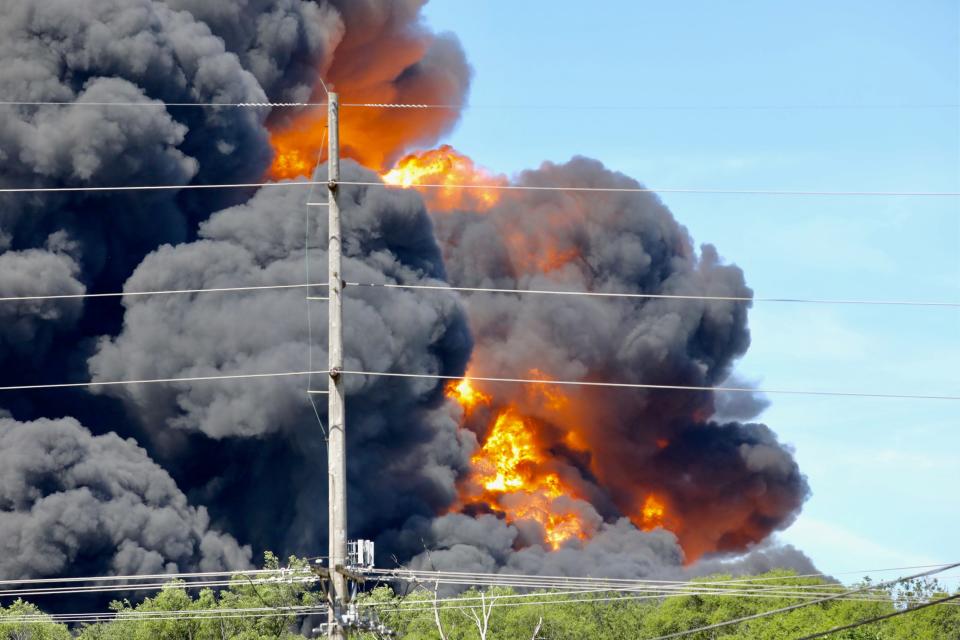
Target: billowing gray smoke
284,43
85,53
487,544
123,492
29,327
399,428
72,501
236,449
719,486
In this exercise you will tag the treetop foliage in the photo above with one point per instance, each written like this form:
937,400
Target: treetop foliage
501,613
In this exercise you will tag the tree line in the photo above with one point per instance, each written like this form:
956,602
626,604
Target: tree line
255,611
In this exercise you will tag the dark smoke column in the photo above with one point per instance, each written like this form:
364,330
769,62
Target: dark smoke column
658,457
236,447
75,503
265,474
206,443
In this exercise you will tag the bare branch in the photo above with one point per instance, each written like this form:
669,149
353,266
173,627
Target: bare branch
536,630
436,591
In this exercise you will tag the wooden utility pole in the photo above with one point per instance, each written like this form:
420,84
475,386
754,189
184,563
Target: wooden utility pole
336,414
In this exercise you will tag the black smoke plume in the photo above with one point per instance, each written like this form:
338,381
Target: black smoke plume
206,475
725,485
73,502
106,71
399,428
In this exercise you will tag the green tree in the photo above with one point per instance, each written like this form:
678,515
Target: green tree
211,615
504,614
615,617
42,629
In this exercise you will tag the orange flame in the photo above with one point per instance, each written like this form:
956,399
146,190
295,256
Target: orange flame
466,395
446,167
553,397
509,473
508,456
509,464
531,254
296,149
652,513
514,470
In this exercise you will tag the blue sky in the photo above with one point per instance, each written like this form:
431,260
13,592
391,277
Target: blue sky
885,473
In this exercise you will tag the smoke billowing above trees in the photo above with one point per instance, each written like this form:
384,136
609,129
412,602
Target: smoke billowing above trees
184,476
74,501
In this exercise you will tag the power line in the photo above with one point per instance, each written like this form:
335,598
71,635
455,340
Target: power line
651,107
558,598
189,614
150,102
106,618
576,383
694,588
553,580
661,107
270,575
746,587
901,612
93,383
153,102
602,584
663,387
148,576
718,586
776,591
665,296
165,187
764,192
499,187
432,574
412,607
152,615
144,586
123,294
593,294
787,609
163,612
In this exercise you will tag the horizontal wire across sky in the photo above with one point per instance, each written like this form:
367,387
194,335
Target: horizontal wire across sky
152,102
529,381
309,372
497,187
439,287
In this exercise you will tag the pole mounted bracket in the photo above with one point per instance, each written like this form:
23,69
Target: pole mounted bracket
332,185
335,373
